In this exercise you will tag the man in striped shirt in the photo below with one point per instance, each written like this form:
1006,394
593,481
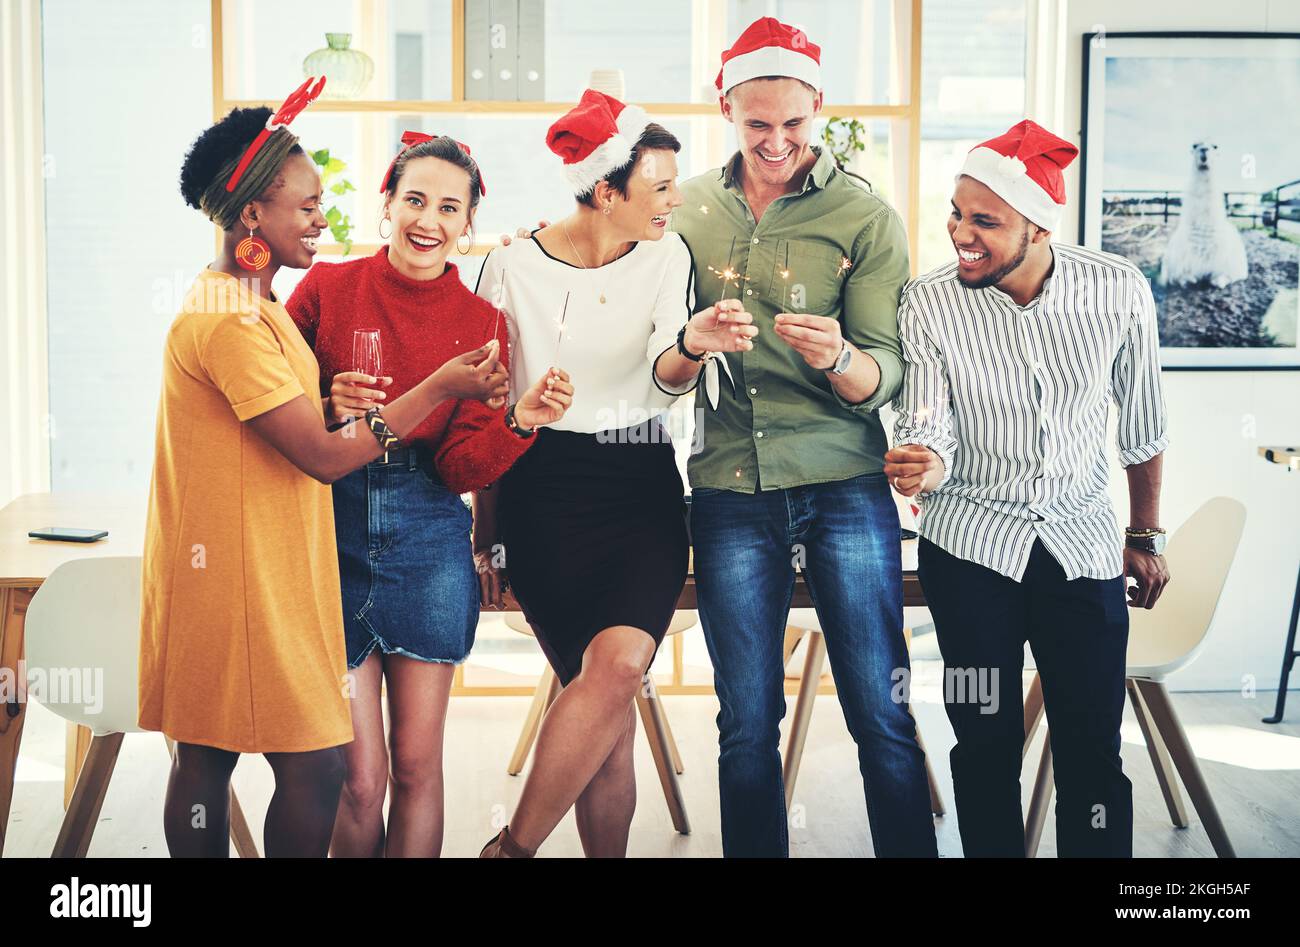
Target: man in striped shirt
1013,353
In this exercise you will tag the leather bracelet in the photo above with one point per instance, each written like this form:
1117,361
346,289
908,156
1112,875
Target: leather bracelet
683,351
383,434
513,424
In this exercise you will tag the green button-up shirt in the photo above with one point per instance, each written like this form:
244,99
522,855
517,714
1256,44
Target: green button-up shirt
845,251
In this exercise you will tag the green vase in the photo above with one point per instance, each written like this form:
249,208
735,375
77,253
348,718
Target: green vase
347,71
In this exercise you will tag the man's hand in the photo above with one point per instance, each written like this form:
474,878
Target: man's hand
913,469
523,233
1151,574
816,338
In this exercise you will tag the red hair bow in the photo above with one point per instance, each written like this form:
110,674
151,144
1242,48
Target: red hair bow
409,140
298,100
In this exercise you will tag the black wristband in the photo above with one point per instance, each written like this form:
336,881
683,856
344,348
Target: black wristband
513,424
682,350
383,434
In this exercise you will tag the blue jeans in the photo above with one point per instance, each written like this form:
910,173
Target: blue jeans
845,537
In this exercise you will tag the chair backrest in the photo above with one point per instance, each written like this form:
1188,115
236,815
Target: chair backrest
1200,554
83,643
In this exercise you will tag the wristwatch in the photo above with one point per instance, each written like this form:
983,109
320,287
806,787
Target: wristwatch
683,351
841,364
514,425
1151,541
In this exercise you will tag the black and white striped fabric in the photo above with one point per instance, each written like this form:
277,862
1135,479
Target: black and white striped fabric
1015,401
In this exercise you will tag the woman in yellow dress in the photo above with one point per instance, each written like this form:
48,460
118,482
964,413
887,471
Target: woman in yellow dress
241,646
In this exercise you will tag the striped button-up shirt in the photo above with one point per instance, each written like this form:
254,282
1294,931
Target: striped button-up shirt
1014,400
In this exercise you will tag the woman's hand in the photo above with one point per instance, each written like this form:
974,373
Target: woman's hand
476,375
723,327
350,398
545,402
490,584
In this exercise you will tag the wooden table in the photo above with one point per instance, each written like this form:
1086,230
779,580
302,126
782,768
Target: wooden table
25,563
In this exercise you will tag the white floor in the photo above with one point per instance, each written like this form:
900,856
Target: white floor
1253,770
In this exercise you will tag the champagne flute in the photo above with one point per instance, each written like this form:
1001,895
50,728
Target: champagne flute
366,356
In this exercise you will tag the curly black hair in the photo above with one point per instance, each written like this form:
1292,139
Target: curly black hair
218,146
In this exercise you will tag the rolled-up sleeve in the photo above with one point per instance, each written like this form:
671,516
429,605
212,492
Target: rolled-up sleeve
870,320
672,310
1142,431
923,409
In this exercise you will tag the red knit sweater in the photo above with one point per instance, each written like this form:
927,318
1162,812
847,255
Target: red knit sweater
421,324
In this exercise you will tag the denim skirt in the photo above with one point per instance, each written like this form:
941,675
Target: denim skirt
406,565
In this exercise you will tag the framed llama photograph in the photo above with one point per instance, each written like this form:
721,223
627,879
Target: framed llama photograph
1190,168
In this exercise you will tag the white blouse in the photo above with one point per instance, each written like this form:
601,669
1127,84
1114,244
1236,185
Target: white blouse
609,348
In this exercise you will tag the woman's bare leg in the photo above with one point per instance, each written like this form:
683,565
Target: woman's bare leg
604,810
580,730
359,827
196,813
300,818
418,692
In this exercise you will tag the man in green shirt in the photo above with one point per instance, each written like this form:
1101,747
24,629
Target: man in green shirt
789,471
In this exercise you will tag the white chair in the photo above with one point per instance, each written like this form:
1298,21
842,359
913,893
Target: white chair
663,748
83,635
1162,640
803,623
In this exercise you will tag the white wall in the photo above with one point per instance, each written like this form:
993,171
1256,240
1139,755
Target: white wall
1217,419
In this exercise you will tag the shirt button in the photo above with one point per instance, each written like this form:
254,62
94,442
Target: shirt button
756,240
753,391
749,292
758,434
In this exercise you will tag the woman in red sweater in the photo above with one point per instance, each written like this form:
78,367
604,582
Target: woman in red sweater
410,589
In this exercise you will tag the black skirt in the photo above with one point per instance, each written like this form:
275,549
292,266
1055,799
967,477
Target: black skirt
594,527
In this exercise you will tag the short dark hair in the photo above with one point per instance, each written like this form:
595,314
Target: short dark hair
219,146
654,138
440,147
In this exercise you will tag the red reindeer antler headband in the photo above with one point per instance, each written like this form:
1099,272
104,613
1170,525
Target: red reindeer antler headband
300,98
411,139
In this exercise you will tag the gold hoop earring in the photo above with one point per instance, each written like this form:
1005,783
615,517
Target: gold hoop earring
469,246
382,235
606,209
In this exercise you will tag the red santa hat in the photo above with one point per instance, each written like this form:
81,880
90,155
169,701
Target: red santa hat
769,47
1023,167
596,138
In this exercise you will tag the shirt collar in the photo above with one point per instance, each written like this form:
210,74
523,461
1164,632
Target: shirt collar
821,171
1047,291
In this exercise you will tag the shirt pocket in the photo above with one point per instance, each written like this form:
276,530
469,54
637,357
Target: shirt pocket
816,278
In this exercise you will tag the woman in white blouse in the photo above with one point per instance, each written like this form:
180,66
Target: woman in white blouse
592,517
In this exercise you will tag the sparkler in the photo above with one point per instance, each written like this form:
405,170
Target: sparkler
728,274
785,277
563,313
501,295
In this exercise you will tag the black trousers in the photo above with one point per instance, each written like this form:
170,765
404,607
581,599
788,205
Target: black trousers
1078,632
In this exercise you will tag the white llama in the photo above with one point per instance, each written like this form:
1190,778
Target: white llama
1205,245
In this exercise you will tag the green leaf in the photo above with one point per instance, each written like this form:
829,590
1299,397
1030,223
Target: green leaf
321,157
342,187
333,216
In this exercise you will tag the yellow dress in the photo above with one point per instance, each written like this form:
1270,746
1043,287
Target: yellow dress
241,638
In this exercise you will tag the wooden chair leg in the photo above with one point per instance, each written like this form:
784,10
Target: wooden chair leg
1040,800
88,797
1175,739
652,720
1159,758
1033,712
803,708
548,688
673,753
936,798
793,636
76,743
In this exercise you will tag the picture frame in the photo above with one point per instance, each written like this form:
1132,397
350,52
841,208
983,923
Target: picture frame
1190,168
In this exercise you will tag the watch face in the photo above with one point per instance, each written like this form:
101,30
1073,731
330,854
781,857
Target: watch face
842,363
1158,544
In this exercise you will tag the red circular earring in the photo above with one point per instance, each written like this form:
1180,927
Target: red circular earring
252,253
